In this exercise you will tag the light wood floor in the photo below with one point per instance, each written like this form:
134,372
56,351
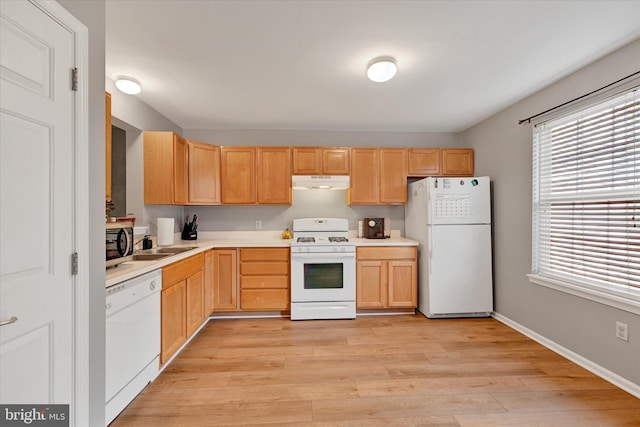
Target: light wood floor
377,370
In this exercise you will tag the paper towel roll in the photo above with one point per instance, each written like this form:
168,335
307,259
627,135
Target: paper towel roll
165,231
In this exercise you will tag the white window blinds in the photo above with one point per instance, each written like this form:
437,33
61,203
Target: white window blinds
586,195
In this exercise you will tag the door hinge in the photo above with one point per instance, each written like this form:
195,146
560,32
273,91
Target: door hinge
74,263
74,79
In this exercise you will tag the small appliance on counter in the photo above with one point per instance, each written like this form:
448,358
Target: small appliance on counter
374,228
119,242
165,231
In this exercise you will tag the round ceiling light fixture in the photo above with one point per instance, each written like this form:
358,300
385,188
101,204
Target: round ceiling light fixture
382,69
128,85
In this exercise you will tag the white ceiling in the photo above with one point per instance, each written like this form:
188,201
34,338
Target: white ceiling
302,64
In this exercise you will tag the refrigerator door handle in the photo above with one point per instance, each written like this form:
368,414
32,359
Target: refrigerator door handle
430,249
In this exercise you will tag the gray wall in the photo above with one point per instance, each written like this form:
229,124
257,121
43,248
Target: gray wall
306,203
118,171
134,117
322,138
503,150
316,203
92,14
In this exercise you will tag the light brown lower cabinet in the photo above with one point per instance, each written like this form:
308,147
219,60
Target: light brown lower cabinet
174,329
264,279
386,277
208,282
182,305
225,277
195,301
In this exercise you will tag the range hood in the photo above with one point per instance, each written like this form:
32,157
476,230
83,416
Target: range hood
315,182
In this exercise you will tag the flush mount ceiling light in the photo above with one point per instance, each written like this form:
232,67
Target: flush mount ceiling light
382,69
128,85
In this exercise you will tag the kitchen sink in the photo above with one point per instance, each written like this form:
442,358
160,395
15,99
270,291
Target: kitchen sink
149,257
159,253
169,250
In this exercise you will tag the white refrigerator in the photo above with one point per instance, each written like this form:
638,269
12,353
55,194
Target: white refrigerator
451,219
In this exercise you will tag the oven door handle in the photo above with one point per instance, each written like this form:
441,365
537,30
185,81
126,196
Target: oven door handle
323,255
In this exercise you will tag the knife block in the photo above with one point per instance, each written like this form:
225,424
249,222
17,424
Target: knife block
188,233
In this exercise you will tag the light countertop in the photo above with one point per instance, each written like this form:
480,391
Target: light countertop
238,239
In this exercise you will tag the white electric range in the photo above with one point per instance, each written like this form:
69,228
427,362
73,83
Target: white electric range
323,270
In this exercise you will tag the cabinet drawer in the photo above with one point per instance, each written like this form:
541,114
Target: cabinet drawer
264,268
264,299
386,253
264,282
182,269
264,254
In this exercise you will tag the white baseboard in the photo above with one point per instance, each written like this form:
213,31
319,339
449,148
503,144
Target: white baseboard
598,370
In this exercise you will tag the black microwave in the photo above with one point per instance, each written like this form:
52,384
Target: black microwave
119,242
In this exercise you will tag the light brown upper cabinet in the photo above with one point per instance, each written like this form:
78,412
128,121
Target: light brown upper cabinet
422,162
204,173
457,162
364,184
393,176
107,122
378,176
256,175
238,175
165,169
321,160
274,175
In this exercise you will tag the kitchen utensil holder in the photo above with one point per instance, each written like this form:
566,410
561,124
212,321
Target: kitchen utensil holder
188,233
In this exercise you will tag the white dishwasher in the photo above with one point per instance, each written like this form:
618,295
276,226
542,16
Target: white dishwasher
132,339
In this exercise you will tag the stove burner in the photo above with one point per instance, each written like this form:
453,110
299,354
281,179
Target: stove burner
338,239
306,240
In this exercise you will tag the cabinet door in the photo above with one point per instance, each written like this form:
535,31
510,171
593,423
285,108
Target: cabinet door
403,289
180,170
423,162
307,161
107,121
225,287
264,299
204,173
158,168
335,161
173,325
364,184
195,303
274,175
371,284
208,282
393,176
457,162
237,175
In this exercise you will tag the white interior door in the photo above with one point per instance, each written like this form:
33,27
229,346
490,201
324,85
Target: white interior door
37,113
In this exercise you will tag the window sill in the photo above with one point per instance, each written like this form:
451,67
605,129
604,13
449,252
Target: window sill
627,300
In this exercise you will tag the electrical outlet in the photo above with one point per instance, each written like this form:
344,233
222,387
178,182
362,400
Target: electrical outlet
622,331
258,225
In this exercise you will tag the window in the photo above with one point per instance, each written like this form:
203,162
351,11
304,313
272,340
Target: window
586,202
